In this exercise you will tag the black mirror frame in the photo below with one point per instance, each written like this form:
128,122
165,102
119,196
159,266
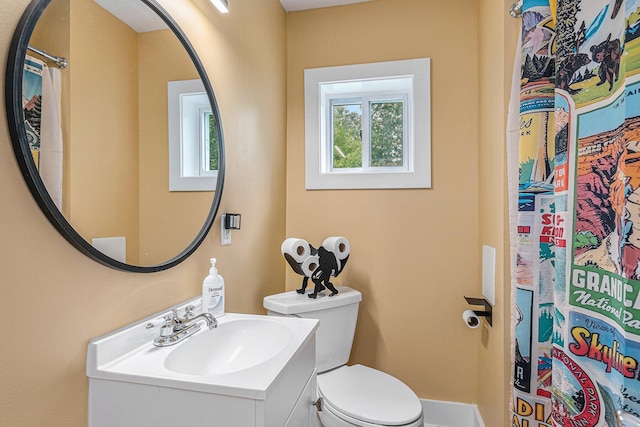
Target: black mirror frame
17,130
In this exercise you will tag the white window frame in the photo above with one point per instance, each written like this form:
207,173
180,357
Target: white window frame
188,106
409,79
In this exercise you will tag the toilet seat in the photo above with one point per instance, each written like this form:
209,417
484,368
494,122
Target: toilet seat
367,397
330,417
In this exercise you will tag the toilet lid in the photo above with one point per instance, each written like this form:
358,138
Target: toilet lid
369,395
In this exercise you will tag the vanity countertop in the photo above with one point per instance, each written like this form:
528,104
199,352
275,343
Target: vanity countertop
129,355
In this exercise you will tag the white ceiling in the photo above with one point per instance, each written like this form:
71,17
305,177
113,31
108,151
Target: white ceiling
139,17
293,5
135,14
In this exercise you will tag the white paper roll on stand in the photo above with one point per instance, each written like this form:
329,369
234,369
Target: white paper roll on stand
309,265
471,319
298,249
338,245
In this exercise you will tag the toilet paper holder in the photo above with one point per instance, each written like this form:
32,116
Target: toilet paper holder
488,309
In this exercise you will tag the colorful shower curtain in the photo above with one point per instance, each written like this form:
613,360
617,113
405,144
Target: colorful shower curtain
41,100
576,214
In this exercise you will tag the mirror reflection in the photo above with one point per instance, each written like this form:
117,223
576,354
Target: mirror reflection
100,130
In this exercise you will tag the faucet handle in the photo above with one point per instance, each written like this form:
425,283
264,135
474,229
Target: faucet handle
174,318
188,311
167,329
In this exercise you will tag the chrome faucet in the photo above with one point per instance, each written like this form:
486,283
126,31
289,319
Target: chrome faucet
176,329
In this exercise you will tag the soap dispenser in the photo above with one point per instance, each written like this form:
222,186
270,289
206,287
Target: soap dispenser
213,292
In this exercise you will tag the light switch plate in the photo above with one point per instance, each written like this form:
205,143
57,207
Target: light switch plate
489,273
225,233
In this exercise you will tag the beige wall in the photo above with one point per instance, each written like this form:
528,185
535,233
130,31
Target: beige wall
54,299
102,146
414,253
169,221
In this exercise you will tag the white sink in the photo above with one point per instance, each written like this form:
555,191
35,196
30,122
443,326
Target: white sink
242,357
231,347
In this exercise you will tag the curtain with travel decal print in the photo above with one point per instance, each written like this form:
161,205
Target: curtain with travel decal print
574,150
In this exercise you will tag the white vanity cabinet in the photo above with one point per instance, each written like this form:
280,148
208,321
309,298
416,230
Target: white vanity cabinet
304,413
134,387
288,403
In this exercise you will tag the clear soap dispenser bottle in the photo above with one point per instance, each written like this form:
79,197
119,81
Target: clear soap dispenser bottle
213,292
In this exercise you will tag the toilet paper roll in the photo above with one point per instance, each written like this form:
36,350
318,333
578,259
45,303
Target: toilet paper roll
309,265
298,249
471,319
338,245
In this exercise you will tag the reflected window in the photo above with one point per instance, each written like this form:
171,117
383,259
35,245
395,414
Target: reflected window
209,143
193,138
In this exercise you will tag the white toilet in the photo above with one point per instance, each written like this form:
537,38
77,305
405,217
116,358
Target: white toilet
352,395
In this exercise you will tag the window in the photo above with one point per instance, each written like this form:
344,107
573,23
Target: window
193,138
368,131
367,126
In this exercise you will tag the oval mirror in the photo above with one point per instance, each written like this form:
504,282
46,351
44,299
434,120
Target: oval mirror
93,138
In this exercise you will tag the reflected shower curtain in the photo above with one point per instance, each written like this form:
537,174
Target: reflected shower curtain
41,100
574,150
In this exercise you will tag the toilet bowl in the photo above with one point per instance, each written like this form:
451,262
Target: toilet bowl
351,395
361,396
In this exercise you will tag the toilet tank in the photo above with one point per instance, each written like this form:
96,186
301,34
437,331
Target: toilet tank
337,315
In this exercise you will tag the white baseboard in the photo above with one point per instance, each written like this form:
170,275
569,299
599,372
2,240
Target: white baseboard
451,414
